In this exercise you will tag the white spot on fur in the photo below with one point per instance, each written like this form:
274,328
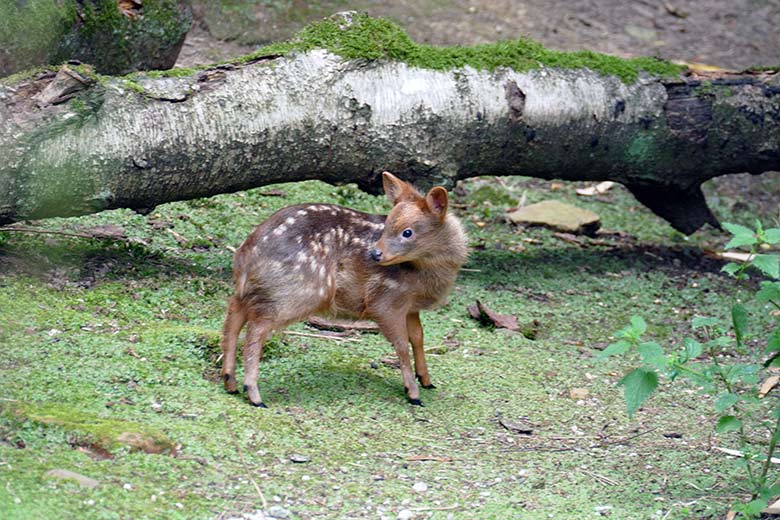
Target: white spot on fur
313,265
301,212
290,221
298,239
265,238
281,229
321,292
301,257
390,283
322,271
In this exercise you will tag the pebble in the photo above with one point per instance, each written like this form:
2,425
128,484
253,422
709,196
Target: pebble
298,458
278,512
404,514
420,487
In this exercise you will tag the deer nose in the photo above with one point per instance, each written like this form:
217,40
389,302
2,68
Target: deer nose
376,254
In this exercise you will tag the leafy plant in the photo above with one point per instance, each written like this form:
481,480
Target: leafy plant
709,362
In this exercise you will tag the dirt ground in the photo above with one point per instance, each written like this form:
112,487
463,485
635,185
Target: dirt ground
726,33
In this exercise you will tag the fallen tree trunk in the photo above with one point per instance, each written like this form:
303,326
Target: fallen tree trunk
314,114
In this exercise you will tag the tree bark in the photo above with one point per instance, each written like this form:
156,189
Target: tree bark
115,36
121,143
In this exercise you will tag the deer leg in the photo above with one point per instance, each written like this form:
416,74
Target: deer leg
394,329
414,327
256,333
234,321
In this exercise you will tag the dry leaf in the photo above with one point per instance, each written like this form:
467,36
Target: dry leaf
484,315
768,385
578,393
596,189
773,509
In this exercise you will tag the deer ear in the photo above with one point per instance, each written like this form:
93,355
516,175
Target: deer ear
395,189
436,200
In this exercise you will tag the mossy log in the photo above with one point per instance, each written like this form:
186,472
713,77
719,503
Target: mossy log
115,36
314,108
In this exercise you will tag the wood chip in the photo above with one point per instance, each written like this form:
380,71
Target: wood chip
486,316
596,189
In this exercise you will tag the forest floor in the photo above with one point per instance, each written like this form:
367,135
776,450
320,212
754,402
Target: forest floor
110,324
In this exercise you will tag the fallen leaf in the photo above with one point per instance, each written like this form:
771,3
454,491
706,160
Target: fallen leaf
484,315
768,385
772,509
596,189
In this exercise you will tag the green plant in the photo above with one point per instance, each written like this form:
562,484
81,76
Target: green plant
713,360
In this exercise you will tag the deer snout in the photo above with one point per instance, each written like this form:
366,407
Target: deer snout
376,254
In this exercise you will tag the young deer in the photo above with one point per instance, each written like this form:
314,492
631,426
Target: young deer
325,259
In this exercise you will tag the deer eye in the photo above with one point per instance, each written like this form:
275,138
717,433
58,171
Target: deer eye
406,233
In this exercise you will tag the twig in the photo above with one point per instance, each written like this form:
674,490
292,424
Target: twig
468,270
443,508
621,441
51,232
602,478
319,336
243,461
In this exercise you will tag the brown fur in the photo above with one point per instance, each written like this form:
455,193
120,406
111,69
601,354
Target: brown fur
325,259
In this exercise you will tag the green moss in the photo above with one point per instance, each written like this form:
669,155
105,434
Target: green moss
107,434
29,30
379,39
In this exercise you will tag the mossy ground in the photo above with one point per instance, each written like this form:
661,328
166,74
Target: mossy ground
129,330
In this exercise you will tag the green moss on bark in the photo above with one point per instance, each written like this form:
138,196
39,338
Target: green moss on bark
370,38
92,31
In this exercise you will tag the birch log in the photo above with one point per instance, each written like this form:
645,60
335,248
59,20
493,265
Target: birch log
120,143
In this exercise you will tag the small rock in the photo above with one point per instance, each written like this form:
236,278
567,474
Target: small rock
278,512
404,514
420,487
298,458
72,475
557,215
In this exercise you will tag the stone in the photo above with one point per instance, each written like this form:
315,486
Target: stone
557,215
65,474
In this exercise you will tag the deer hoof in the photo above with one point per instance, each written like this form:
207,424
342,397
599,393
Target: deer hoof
416,402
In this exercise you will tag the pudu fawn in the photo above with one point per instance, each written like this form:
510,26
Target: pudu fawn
326,259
